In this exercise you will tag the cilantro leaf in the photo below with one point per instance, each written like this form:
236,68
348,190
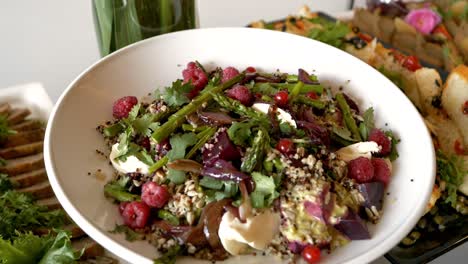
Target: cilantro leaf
394,152
61,251
240,132
368,124
176,95
179,144
176,176
145,125
264,192
286,128
130,234
450,169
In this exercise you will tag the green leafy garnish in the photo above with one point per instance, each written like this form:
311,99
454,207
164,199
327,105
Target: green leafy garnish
5,183
176,95
130,234
170,256
264,192
166,215
450,169
241,132
145,124
368,124
5,129
179,144
118,190
218,189
394,152
20,212
29,248
286,128
331,33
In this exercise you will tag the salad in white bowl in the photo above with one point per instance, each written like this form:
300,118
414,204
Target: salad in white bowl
227,162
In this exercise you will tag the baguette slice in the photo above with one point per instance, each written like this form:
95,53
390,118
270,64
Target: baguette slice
429,85
39,191
29,178
28,125
4,108
22,150
75,231
18,115
455,99
52,203
22,165
23,138
91,248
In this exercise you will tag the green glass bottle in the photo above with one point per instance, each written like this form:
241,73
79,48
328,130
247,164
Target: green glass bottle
119,23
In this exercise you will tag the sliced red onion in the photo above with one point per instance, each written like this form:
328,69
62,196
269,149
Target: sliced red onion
215,118
353,227
304,77
224,170
317,133
220,148
373,193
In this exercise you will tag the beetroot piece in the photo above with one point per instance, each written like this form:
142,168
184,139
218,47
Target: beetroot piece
373,193
224,170
163,147
220,148
318,134
304,77
379,137
122,107
382,172
215,118
242,94
353,227
361,170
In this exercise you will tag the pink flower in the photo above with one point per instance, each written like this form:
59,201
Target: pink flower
423,20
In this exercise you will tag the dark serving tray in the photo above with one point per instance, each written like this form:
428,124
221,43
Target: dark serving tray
432,244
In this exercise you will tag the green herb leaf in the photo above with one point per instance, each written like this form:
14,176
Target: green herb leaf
240,132
5,183
179,144
264,192
145,157
23,248
61,251
368,124
176,95
167,216
119,190
176,176
130,234
145,125
286,128
394,152
211,183
170,256
451,170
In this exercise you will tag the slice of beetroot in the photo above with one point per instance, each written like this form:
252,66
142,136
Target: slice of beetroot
220,148
373,193
224,170
353,227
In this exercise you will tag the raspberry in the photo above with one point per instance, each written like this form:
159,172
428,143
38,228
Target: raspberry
229,73
379,137
361,170
241,94
123,106
136,214
381,170
154,195
196,76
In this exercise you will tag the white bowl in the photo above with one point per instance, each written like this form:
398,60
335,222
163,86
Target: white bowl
71,138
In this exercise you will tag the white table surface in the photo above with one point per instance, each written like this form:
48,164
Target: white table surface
52,41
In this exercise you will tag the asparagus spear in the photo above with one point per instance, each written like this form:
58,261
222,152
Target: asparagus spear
204,136
178,117
310,102
240,109
119,194
255,154
348,117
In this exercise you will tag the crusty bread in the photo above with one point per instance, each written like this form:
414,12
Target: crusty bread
52,203
445,131
91,248
21,150
4,108
23,138
39,191
75,231
29,178
18,115
22,165
429,85
455,98
27,125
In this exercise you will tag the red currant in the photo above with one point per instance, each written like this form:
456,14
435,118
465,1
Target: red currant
311,254
281,98
285,146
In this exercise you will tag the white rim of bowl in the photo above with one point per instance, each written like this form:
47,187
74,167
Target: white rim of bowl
94,232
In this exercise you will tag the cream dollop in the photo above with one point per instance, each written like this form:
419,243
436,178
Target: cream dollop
361,149
132,164
283,116
257,231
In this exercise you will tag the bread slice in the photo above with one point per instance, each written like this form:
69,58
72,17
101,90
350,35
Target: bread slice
29,178
455,99
91,248
429,85
22,165
75,231
21,150
18,115
5,108
445,131
23,138
99,260
39,191
28,125
52,203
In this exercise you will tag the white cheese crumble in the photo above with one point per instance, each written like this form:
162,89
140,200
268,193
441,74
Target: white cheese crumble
361,149
132,164
283,116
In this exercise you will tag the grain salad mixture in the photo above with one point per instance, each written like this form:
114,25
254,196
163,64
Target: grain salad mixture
226,163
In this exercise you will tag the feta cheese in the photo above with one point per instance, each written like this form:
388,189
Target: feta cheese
132,164
283,116
361,149
257,231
